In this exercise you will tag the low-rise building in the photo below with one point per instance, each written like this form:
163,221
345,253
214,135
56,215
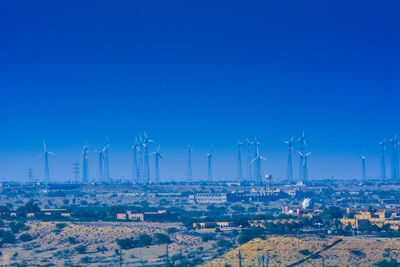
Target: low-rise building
214,225
208,198
365,219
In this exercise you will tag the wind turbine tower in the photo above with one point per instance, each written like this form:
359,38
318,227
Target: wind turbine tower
189,168
157,169
249,159
106,150
289,162
75,171
146,159
257,165
30,175
303,144
239,161
101,165
45,154
209,159
257,168
136,172
364,174
140,161
85,176
304,168
383,164
395,157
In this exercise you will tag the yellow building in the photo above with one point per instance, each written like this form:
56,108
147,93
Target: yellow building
378,219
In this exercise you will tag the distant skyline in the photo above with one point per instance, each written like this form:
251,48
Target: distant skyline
199,73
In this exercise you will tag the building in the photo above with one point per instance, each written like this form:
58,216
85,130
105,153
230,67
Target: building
208,198
364,220
146,216
214,225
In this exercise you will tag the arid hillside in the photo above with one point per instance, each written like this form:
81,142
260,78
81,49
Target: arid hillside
333,251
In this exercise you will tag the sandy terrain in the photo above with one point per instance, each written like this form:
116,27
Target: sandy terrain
282,251
52,247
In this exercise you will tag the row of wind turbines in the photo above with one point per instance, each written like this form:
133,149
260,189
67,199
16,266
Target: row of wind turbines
141,162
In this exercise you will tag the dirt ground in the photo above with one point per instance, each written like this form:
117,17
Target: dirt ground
283,251
51,247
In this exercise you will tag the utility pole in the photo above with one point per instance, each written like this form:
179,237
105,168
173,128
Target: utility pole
240,258
120,257
166,254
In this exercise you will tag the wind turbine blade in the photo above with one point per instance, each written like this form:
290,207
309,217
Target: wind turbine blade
51,153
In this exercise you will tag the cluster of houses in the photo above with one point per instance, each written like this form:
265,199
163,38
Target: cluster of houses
44,212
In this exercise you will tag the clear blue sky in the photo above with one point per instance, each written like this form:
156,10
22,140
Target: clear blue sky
199,73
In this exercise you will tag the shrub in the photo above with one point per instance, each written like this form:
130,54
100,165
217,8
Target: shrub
126,243
162,238
172,230
60,226
144,240
386,263
224,243
17,227
7,237
72,240
25,237
81,249
249,234
102,249
238,208
358,253
207,237
85,259
305,252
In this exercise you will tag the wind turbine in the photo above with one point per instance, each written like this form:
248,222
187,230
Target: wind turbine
101,165
140,161
257,167
304,168
189,168
146,158
257,161
289,162
157,169
364,174
383,164
136,171
303,144
85,151
106,150
239,161
395,157
209,159
75,171
45,154
248,164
